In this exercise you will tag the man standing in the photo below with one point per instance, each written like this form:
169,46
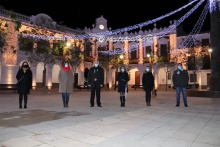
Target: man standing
96,82
180,80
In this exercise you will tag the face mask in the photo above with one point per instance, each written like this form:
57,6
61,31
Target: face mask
122,70
147,69
179,67
66,65
96,65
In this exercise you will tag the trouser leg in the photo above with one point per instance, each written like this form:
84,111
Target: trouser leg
92,96
98,97
25,100
64,98
67,99
20,100
177,96
123,97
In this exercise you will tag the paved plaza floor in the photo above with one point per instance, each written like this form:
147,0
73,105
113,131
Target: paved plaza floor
46,123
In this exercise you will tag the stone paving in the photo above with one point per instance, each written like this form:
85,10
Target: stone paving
47,124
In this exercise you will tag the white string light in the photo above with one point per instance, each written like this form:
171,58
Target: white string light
162,33
107,33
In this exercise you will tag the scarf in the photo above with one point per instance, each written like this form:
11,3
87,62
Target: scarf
67,69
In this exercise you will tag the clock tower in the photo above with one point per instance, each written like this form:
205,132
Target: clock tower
101,24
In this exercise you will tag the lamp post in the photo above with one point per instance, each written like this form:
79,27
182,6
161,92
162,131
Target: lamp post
149,56
121,59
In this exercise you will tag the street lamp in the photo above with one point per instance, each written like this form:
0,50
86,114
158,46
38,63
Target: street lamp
149,56
121,58
210,53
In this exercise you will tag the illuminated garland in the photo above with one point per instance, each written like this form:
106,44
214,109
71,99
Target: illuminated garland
159,35
106,33
189,41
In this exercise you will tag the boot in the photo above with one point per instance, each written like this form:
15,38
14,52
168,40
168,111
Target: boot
20,100
25,100
121,99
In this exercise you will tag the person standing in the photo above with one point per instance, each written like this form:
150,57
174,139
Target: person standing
66,80
180,80
24,77
96,82
122,78
148,84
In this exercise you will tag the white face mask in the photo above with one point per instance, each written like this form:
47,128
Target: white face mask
122,70
66,65
96,65
147,69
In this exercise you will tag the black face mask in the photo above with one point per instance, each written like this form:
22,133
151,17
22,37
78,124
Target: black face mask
25,66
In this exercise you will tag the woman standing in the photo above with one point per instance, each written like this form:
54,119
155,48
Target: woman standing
24,77
122,79
148,84
66,80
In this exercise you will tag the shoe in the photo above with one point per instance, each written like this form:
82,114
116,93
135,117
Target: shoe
99,106
25,107
92,106
20,107
186,105
177,105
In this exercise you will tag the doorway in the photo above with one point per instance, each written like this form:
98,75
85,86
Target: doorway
137,78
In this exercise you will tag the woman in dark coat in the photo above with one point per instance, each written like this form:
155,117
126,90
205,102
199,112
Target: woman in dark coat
122,79
24,77
148,84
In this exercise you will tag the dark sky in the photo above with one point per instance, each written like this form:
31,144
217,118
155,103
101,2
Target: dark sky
119,14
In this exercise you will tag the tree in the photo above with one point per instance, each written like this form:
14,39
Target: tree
39,50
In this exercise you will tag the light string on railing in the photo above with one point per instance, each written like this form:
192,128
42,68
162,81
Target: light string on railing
159,35
189,41
107,33
212,4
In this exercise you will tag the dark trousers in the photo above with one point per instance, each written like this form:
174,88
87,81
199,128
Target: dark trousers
65,97
21,96
95,90
148,95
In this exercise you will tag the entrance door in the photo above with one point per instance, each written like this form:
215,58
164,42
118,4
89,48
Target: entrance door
137,78
208,79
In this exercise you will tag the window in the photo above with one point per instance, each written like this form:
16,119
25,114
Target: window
205,42
163,50
134,54
193,77
147,50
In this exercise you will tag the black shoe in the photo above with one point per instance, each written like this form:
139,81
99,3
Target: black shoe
177,105
99,106
186,105
20,107
25,107
92,106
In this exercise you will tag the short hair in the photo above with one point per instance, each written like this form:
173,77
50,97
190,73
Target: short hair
179,64
96,61
147,66
65,61
25,63
123,67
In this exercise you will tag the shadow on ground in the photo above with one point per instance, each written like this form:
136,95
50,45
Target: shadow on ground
23,118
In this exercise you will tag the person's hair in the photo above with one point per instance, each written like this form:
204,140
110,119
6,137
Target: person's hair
65,61
122,67
23,64
179,64
147,66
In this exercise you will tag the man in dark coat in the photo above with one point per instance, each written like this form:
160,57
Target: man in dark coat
24,77
122,78
180,80
96,82
148,84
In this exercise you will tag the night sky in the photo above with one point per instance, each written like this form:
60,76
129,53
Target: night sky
119,14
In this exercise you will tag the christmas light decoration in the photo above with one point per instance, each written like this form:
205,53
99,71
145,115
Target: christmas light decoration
107,33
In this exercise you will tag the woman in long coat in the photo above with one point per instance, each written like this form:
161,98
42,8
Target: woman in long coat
24,77
148,84
66,80
122,78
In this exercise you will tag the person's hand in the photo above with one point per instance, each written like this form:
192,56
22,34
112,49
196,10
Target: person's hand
101,85
89,85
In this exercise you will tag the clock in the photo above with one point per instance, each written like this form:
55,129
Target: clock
101,27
